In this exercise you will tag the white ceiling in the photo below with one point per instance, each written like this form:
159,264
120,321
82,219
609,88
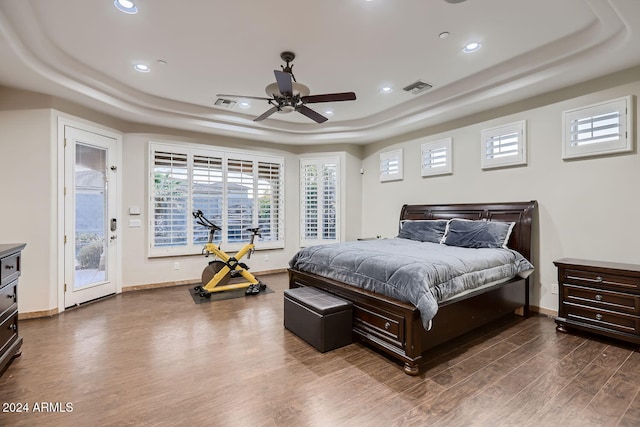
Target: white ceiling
84,51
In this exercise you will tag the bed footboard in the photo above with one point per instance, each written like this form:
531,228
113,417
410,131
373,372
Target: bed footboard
395,328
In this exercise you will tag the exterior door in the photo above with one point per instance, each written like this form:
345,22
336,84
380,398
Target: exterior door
91,224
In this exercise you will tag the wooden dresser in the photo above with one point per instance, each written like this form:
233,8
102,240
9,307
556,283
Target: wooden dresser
599,297
10,341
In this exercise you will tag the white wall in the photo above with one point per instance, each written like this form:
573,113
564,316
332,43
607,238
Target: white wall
587,208
29,206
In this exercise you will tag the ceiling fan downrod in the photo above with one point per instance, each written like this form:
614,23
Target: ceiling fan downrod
288,57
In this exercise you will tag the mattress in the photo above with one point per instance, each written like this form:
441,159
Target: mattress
420,273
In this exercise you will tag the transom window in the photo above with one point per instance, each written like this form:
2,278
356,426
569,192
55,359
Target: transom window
391,165
234,190
436,158
504,146
603,128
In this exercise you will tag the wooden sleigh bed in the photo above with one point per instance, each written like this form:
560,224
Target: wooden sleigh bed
395,327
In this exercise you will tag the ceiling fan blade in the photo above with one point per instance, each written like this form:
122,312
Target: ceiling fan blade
284,82
329,97
266,114
220,95
319,118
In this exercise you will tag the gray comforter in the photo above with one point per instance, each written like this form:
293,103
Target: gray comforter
417,272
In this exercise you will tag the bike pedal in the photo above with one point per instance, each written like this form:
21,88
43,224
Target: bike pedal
253,290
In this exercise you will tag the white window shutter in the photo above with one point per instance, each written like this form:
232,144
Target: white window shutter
504,145
436,157
598,129
391,165
320,201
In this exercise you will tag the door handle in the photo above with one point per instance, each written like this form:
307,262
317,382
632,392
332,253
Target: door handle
114,224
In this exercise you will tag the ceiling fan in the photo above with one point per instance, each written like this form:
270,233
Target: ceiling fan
287,95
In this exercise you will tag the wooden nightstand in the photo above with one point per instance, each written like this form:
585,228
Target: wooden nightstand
599,297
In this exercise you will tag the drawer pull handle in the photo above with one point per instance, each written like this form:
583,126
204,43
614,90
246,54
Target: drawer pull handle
13,327
9,267
599,279
598,316
598,297
387,325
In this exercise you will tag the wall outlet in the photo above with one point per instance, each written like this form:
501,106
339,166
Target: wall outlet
266,257
554,289
176,266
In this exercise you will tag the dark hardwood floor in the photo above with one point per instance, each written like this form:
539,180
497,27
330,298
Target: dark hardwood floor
155,358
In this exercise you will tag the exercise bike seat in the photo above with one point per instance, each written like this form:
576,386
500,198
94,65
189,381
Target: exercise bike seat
254,230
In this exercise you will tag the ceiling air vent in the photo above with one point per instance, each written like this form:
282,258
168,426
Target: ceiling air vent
225,103
417,87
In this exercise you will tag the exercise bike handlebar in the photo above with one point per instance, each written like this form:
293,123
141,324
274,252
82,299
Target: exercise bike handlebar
203,221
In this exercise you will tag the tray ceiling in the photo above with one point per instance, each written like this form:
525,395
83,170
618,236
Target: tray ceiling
84,51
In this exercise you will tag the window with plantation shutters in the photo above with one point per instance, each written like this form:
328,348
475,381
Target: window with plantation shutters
270,216
235,191
240,199
598,129
437,158
170,199
207,192
320,207
391,165
504,146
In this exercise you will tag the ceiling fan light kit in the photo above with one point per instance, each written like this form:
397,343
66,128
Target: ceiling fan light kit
287,95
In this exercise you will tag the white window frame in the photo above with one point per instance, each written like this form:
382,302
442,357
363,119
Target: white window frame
620,143
442,150
391,165
319,162
191,150
511,157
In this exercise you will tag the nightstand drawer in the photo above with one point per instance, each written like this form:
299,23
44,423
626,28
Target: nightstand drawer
602,299
8,331
602,318
9,268
8,297
592,278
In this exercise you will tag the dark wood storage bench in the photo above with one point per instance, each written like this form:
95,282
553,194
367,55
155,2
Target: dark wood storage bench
321,319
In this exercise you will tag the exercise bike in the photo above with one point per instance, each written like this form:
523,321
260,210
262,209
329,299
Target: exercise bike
216,275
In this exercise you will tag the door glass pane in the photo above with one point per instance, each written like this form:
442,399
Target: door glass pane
90,216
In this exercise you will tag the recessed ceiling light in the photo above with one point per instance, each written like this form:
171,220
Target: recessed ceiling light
244,104
329,112
471,47
443,35
386,89
126,6
142,68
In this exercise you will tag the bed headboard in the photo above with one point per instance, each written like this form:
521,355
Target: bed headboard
520,212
